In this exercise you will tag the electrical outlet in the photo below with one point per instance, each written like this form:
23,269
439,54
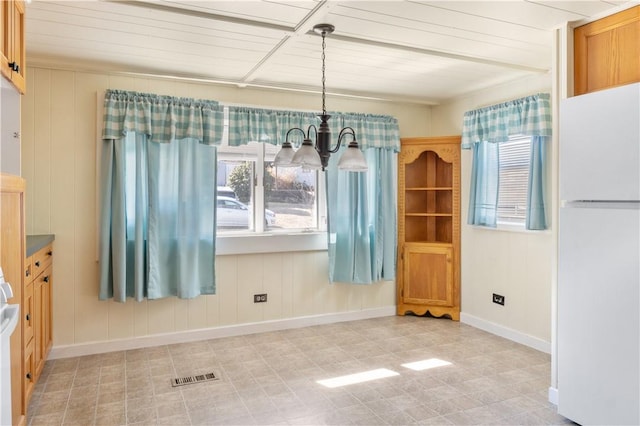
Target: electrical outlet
498,299
259,298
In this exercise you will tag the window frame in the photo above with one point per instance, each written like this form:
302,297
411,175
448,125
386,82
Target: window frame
260,240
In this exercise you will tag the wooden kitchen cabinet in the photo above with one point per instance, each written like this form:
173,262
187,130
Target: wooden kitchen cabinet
12,43
428,270
12,250
607,52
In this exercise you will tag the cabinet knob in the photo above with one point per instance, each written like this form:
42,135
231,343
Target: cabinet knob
29,376
28,273
46,279
38,263
50,253
14,66
28,317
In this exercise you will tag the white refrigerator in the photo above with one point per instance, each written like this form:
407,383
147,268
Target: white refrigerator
598,346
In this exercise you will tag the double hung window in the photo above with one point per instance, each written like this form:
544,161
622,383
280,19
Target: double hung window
509,171
261,198
513,180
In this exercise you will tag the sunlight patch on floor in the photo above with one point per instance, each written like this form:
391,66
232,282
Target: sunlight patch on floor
351,379
426,364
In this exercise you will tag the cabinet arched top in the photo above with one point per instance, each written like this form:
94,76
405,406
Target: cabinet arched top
448,154
446,147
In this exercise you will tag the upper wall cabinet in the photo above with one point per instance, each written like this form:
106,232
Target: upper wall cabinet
607,52
13,57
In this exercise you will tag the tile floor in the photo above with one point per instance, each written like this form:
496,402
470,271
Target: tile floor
271,378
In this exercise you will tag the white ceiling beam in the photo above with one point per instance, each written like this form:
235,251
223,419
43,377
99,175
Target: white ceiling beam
431,52
303,27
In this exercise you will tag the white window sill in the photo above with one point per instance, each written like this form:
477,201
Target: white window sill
504,227
270,243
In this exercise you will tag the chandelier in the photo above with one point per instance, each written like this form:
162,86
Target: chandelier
316,156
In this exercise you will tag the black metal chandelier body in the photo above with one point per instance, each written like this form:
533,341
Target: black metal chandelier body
316,156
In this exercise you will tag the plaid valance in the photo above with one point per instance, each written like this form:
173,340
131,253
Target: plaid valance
530,116
271,126
163,118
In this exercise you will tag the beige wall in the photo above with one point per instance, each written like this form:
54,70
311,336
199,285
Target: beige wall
58,162
515,264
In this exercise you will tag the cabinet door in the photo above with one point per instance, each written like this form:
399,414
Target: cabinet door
428,274
5,37
29,379
42,291
12,43
18,56
28,324
607,52
47,314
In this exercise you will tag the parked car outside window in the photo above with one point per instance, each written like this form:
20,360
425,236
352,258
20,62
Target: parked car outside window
225,191
231,213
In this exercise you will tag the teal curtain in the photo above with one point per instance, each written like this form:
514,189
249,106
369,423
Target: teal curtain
157,230
529,116
483,196
362,207
536,208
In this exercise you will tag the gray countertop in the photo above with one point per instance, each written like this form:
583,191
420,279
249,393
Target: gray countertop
36,242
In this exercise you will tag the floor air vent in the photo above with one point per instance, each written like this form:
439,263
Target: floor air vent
193,379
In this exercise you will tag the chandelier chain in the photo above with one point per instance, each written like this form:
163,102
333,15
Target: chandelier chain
324,110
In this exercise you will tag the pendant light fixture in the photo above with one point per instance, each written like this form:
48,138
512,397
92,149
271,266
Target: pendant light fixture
316,155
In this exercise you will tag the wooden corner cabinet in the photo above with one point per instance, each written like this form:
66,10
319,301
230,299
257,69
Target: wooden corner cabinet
428,273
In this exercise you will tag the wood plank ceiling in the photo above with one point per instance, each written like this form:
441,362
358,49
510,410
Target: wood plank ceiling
417,51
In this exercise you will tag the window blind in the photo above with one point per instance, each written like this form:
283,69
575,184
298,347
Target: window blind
514,174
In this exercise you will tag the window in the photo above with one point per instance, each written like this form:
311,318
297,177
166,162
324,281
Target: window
513,180
267,198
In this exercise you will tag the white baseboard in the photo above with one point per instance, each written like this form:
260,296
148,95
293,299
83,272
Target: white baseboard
553,395
92,348
507,333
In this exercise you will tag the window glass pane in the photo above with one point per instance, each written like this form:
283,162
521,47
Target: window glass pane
290,197
235,195
514,175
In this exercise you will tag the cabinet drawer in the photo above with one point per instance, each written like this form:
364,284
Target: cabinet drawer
41,259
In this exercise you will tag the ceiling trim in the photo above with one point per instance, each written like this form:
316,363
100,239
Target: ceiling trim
102,68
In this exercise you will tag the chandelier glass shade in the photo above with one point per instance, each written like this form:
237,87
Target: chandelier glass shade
315,156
